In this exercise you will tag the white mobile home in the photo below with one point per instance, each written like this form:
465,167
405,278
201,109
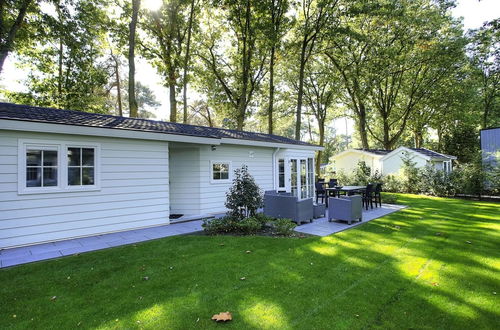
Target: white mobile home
390,162
66,174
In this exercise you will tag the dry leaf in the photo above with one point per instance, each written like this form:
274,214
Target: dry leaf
145,278
468,242
222,317
248,251
53,298
435,284
222,244
243,278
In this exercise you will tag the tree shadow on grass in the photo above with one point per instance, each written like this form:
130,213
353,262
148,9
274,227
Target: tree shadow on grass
394,272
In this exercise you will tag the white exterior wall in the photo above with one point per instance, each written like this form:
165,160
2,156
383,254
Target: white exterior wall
185,180
393,163
258,160
348,162
134,192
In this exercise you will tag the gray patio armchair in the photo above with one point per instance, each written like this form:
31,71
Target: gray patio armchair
279,205
346,208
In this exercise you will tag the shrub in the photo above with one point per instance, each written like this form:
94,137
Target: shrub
263,219
362,174
249,225
244,197
393,183
225,224
436,182
284,227
410,174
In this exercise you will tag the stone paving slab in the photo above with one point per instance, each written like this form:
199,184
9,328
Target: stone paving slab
44,251
322,227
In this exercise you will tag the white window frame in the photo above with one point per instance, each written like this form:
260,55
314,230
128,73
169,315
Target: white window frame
62,166
97,153
230,169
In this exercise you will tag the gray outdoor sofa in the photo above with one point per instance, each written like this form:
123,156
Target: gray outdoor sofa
284,205
346,208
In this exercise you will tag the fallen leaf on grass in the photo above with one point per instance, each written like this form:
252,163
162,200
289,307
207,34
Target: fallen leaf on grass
222,244
243,278
53,298
468,242
248,251
438,234
435,284
222,317
145,278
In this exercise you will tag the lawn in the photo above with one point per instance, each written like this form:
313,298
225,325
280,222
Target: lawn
433,265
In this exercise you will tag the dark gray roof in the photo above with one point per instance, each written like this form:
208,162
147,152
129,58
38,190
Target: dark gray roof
423,151
430,153
380,152
77,118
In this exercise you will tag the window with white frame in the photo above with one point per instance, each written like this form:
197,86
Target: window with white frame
53,166
81,166
281,174
220,171
41,166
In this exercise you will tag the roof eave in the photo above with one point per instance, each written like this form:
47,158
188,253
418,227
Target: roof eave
20,125
271,144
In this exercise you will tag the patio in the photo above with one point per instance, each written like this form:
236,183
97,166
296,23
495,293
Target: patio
51,250
321,226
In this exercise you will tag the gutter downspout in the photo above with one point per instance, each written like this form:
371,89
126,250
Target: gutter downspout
274,168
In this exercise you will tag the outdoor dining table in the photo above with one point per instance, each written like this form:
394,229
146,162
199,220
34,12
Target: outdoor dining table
349,190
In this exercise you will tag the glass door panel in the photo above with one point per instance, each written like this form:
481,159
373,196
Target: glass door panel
303,178
293,177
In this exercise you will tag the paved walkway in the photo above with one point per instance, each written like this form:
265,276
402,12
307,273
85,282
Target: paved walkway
27,254
23,255
321,227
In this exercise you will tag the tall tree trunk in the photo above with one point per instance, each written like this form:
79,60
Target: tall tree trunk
246,63
8,44
60,72
363,135
173,102
321,129
300,92
118,84
131,59
186,63
270,109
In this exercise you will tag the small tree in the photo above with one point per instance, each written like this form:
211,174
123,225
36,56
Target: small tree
410,173
362,173
244,197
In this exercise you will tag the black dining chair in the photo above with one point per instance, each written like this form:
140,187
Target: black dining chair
333,183
321,193
368,196
377,196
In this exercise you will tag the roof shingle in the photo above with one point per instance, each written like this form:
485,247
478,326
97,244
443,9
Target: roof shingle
69,117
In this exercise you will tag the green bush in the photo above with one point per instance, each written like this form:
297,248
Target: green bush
222,225
244,197
436,182
284,227
229,224
263,219
249,225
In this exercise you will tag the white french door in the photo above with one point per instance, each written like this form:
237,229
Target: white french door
299,176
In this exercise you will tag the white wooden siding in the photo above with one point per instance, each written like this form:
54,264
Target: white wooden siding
134,193
348,162
185,180
258,160
394,163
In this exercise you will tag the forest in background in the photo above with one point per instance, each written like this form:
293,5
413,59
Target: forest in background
405,71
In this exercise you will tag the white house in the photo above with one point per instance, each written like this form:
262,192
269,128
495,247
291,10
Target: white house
66,174
390,162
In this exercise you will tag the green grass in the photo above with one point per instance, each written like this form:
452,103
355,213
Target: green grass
411,269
